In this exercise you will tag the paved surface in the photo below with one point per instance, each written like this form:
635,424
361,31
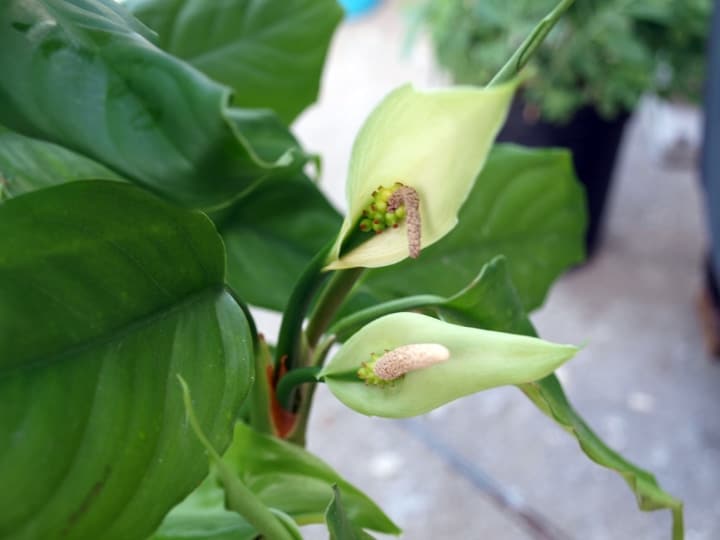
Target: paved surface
486,466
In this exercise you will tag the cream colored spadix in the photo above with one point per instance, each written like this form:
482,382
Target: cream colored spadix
476,360
434,141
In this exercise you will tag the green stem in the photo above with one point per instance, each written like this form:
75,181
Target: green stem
243,501
521,56
329,302
291,380
322,349
289,338
239,497
298,434
260,418
346,327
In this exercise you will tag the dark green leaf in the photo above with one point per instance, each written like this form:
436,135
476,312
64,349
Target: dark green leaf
503,312
338,523
270,52
289,478
550,398
271,235
78,74
526,205
28,164
492,287
106,294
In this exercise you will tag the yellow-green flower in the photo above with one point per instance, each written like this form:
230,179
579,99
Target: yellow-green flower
433,142
407,364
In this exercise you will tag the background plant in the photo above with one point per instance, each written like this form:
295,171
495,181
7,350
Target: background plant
647,46
149,191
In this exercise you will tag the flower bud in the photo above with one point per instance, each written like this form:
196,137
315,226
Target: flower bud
407,364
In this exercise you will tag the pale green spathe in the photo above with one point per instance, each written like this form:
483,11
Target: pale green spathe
479,359
435,141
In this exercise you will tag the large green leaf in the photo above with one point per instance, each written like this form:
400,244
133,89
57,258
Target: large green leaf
29,164
106,294
271,235
526,205
77,73
270,52
289,478
504,312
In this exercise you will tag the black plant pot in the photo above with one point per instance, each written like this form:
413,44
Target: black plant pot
594,143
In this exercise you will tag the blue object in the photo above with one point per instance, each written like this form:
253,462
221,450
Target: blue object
356,7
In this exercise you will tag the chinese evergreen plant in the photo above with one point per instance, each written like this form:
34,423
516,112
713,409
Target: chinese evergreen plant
151,190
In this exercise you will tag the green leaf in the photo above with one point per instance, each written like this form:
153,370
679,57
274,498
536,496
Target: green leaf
526,205
237,495
271,53
289,478
338,522
272,235
467,308
106,293
503,310
463,361
78,74
202,516
493,286
550,398
28,164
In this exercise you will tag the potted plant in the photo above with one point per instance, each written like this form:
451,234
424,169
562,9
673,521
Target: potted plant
588,76
151,189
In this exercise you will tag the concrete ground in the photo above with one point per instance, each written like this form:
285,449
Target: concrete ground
489,465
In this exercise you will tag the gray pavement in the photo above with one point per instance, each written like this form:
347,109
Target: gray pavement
490,465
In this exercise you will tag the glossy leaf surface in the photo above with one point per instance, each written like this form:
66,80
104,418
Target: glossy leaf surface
28,164
338,522
291,479
106,294
78,73
271,235
202,516
270,52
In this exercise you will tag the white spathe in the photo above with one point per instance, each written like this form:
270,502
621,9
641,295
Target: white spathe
435,141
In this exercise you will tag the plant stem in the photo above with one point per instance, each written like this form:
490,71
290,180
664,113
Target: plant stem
298,433
329,302
322,349
291,380
260,418
346,327
288,345
243,501
239,497
521,56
